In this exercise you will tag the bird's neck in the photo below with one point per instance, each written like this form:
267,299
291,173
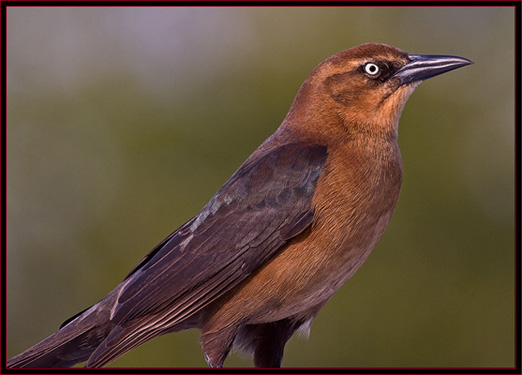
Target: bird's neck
315,115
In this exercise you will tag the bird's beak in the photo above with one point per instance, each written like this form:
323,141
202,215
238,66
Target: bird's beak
422,67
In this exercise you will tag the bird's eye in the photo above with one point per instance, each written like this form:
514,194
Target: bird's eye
371,69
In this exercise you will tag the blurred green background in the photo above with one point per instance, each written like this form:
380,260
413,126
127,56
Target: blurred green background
123,122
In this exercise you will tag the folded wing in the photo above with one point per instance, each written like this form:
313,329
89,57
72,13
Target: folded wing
259,209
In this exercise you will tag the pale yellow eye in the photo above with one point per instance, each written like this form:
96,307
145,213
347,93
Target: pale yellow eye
371,69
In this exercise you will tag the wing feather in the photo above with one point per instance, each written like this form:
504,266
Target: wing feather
263,205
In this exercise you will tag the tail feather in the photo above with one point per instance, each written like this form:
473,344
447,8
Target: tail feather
71,344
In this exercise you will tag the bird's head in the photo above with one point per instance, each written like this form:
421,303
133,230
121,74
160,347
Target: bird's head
366,87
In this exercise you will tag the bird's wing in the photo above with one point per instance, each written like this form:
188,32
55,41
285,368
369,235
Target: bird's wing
262,206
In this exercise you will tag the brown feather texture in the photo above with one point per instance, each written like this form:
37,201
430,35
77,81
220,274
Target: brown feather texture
289,228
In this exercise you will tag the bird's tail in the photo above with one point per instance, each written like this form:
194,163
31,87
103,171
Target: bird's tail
71,344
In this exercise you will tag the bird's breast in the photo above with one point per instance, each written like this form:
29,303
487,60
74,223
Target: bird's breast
355,198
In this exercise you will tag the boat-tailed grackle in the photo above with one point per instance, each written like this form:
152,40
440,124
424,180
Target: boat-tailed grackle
290,226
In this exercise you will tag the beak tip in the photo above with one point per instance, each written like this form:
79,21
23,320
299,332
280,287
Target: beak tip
467,61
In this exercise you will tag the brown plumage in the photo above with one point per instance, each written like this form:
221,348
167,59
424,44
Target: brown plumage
291,226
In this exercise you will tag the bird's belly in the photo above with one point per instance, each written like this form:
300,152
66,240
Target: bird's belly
302,276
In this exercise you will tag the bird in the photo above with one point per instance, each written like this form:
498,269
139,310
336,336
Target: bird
280,237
